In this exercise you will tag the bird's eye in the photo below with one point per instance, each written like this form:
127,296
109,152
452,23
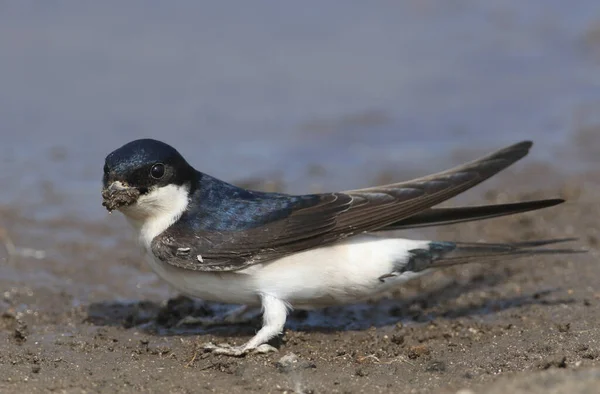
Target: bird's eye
157,171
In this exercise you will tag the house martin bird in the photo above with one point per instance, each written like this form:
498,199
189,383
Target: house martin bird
215,241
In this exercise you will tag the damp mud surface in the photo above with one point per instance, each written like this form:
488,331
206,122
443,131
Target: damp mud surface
81,312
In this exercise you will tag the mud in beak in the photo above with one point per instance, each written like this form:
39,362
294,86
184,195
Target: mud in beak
118,195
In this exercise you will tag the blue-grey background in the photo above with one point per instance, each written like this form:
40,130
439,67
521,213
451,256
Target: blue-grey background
320,94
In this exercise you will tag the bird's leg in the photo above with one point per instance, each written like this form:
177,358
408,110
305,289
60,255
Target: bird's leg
234,316
274,316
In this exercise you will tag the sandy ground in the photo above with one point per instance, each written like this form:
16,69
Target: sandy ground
89,317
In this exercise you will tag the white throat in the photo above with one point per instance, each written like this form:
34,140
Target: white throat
157,210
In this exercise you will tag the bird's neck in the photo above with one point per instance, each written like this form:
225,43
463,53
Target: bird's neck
157,211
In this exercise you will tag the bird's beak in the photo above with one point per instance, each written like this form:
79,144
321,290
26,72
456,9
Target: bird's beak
118,195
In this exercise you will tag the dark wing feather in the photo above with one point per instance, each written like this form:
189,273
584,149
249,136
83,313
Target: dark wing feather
444,216
331,217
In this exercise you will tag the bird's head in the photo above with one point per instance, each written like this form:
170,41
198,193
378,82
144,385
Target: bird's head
144,178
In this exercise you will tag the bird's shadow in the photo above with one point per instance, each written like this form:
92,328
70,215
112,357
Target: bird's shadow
162,318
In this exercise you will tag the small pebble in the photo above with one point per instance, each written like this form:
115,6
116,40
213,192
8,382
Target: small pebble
290,362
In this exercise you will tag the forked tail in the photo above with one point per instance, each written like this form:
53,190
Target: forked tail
447,254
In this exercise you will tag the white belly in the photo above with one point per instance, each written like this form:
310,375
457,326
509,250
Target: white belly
341,273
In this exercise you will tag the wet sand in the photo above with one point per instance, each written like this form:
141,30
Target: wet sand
90,317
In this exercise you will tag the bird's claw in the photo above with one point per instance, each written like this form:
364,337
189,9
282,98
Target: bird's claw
233,317
238,351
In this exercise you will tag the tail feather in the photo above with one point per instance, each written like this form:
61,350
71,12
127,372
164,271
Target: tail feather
445,254
511,245
496,257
